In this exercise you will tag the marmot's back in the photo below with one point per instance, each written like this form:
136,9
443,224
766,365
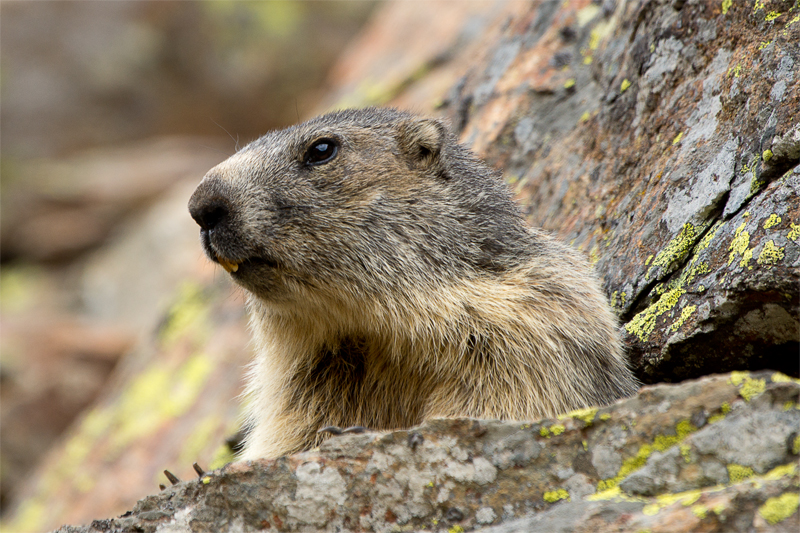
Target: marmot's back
393,279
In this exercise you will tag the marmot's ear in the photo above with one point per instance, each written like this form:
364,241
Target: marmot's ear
422,141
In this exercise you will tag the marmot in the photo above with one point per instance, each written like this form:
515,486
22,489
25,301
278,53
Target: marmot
391,279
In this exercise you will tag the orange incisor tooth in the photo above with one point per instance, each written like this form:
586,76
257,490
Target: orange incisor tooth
227,265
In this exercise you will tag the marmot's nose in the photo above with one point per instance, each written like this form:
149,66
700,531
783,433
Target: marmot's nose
209,215
208,207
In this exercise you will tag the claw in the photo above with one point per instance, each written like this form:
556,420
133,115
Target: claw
161,486
333,430
171,477
200,471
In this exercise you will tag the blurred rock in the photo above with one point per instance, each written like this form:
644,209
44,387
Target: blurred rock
81,74
65,328
56,209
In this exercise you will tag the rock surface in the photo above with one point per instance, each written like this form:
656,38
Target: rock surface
717,454
645,134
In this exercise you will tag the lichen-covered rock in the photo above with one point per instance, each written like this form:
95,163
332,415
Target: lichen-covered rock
646,134
717,454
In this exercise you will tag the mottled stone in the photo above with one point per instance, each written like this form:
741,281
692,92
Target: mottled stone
664,470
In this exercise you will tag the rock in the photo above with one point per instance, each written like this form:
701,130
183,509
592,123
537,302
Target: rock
85,74
56,209
645,134
459,477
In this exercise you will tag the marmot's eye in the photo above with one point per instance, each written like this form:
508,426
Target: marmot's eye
320,152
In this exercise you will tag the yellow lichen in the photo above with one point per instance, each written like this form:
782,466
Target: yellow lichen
770,254
624,85
758,5
650,258
686,312
605,494
796,445
586,14
594,254
739,244
594,40
699,511
30,516
556,495
726,408
726,5
684,428
629,465
557,429
780,471
155,396
206,480
677,138
690,499
651,509
766,155
708,237
764,44
678,248
586,116
587,415
780,508
738,377
755,184
686,453
794,231
643,324
752,388
587,60
544,432
771,221
570,83
605,416
188,313
456,529
779,377
222,456
738,473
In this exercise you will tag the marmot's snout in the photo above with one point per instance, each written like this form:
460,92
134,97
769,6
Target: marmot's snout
212,209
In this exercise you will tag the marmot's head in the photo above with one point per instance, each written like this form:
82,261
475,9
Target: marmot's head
356,204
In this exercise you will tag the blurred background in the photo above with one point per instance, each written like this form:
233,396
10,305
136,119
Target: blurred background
110,113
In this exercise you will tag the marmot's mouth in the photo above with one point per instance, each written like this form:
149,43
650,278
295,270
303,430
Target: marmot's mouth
229,266
233,266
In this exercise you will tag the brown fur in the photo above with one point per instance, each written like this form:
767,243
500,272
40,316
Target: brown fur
398,282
